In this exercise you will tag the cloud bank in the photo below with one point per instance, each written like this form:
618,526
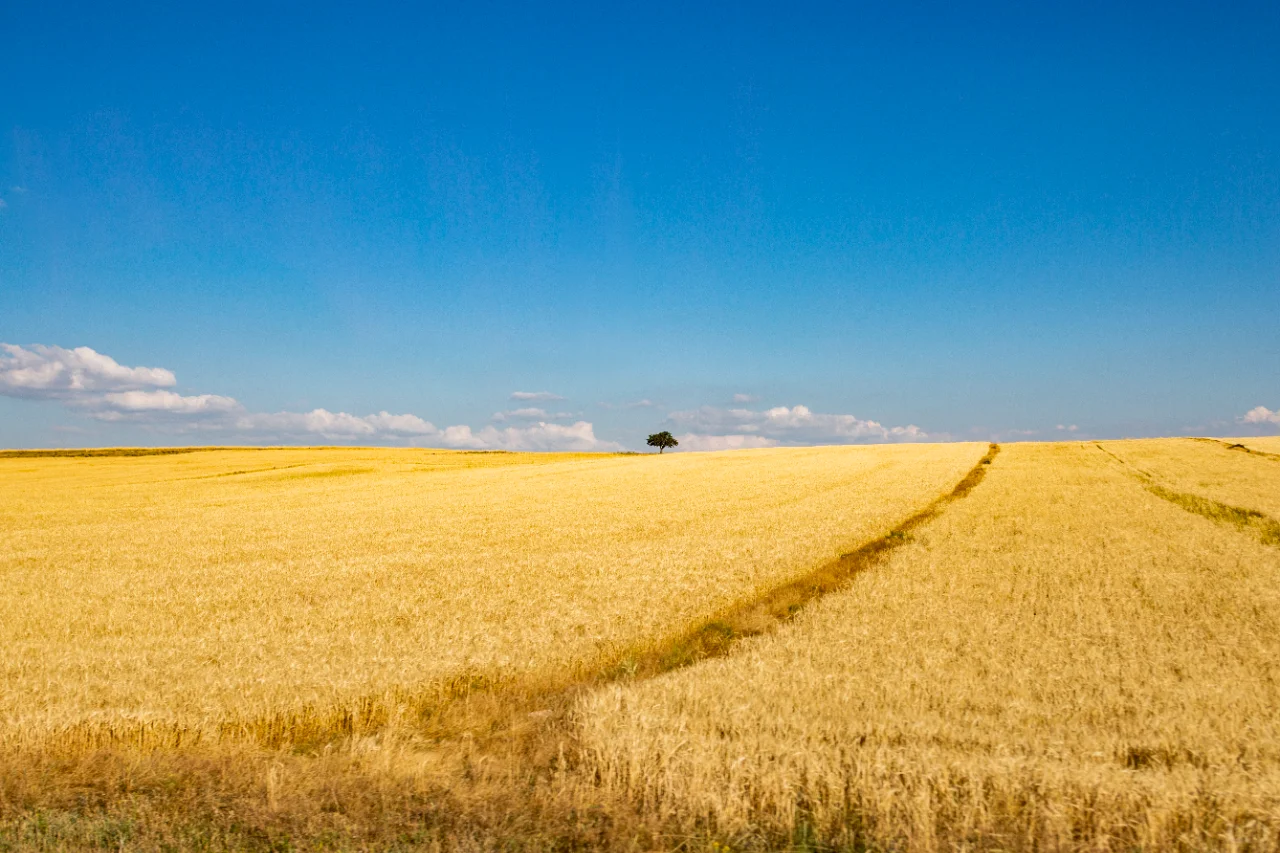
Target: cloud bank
98,386
711,428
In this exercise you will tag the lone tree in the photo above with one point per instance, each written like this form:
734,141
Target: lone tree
662,440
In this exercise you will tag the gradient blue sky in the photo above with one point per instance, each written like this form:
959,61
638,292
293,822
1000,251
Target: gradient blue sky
989,221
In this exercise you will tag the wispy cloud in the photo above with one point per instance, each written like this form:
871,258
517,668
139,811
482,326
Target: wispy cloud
531,414
796,425
745,398
98,386
693,441
634,404
1067,428
535,396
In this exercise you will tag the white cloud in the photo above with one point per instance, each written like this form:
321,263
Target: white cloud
540,436
45,372
399,424
535,396
335,425
694,441
415,430
745,398
1261,415
119,404
341,426
794,425
531,414
96,385
1068,428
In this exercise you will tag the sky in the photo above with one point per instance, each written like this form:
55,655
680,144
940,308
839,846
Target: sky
567,226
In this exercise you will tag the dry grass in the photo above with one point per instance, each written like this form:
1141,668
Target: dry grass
1063,660
284,594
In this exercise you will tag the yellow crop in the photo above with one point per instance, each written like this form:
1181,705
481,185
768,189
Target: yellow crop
1065,659
1077,648
183,591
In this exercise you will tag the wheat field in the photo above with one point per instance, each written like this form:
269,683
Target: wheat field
181,591
1069,646
1062,661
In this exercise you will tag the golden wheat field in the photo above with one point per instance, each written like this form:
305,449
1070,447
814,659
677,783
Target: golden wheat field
1063,660
1069,646
192,588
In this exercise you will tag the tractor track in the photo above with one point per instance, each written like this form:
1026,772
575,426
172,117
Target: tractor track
1262,526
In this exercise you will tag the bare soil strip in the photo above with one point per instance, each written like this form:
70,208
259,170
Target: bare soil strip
1265,528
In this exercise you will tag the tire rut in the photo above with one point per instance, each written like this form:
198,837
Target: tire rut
1260,525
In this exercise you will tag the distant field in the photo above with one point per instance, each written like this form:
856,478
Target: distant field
1069,646
186,591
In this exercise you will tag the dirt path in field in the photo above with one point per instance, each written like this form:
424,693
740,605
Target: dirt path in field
1262,526
775,607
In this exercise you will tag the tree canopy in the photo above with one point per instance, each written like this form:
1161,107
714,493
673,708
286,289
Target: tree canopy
662,440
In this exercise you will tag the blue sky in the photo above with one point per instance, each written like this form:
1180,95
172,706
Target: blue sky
784,223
